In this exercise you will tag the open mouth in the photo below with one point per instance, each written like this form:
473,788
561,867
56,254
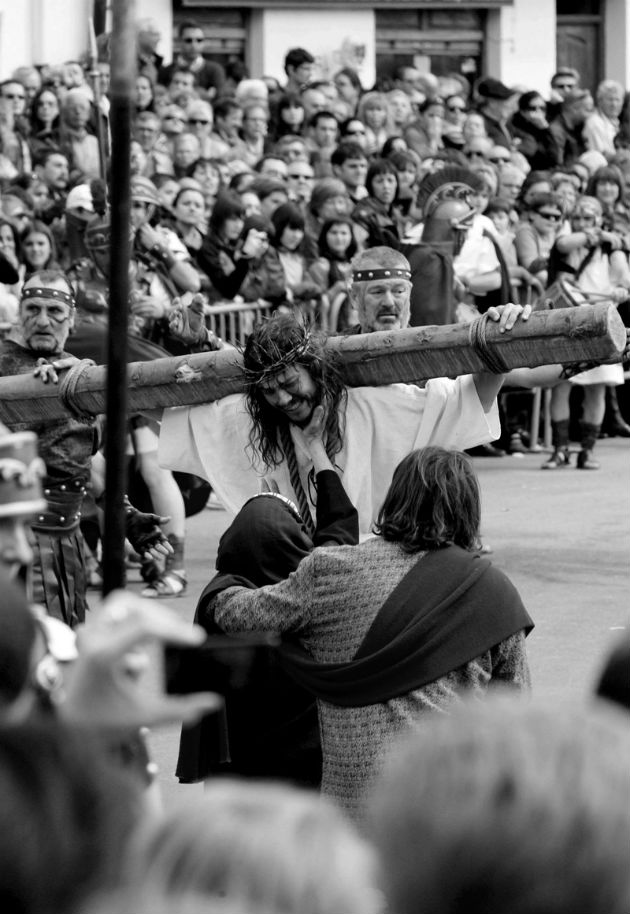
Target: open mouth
294,407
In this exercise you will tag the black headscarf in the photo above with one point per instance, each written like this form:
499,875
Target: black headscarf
272,722
267,540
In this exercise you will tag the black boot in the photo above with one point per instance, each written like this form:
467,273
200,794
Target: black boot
616,424
560,440
585,460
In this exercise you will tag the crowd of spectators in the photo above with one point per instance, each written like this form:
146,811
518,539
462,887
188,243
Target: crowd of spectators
256,190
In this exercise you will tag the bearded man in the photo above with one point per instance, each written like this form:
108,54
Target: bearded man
244,442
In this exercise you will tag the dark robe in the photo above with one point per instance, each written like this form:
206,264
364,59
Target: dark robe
272,722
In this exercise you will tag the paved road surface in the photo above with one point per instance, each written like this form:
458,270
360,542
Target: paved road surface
563,537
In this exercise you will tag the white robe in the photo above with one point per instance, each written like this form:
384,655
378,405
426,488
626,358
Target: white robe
382,425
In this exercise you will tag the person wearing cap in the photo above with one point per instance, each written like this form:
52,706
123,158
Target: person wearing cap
168,269
496,105
238,441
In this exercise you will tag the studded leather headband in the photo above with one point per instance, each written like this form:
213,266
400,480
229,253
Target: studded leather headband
392,273
45,292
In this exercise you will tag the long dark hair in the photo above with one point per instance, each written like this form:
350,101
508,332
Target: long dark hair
333,258
433,500
280,338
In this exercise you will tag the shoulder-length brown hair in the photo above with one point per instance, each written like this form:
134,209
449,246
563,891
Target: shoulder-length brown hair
433,500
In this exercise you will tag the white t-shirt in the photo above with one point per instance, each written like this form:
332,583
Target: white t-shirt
382,425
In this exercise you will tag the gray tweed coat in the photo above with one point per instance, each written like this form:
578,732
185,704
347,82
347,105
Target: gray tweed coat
329,602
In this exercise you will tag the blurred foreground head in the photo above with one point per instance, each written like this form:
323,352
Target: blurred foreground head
67,813
511,807
260,846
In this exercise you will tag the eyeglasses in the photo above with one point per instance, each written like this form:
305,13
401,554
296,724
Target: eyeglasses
552,217
197,121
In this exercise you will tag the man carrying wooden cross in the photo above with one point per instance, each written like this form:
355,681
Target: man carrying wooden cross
242,443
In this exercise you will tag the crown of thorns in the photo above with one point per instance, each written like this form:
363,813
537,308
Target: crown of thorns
273,357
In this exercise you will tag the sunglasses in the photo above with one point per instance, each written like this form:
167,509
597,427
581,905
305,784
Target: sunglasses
197,121
553,217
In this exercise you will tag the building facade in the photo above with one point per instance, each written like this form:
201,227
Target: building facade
519,41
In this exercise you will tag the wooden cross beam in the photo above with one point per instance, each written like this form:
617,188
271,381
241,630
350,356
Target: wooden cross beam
564,336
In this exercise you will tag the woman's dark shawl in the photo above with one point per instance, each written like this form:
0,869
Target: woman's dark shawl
452,607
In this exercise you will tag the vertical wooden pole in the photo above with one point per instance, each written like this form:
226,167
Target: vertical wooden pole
123,64
95,81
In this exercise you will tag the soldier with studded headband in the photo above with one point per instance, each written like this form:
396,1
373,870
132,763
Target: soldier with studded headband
239,444
36,345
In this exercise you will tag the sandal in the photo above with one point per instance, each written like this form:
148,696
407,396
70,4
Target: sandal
169,584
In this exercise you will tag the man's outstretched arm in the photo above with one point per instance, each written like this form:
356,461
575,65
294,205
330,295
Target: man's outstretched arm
487,383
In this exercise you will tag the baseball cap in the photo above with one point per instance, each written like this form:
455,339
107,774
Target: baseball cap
143,189
493,88
80,196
